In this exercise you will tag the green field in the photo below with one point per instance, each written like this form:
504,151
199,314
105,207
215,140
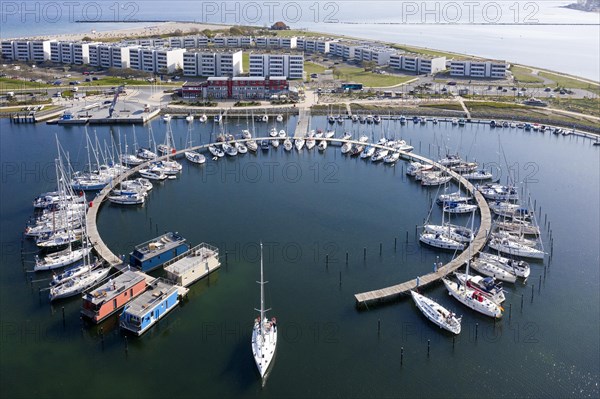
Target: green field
449,106
311,67
15,84
588,106
115,81
417,50
524,75
370,79
246,62
570,83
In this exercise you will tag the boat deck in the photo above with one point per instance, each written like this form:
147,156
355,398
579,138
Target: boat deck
114,286
153,296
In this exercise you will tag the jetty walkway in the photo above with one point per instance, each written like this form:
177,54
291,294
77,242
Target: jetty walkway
363,298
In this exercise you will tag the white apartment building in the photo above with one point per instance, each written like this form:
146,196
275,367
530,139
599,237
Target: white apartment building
276,42
314,45
210,63
188,42
478,69
380,55
417,63
346,50
26,50
110,56
158,60
81,53
232,41
289,65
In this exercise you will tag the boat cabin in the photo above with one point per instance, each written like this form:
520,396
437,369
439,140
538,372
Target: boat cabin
144,311
193,265
154,253
107,299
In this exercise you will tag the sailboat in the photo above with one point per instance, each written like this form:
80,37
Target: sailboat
472,298
264,332
436,313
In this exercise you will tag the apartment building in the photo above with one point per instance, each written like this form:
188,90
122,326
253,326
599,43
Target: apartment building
419,64
478,68
26,50
272,64
212,63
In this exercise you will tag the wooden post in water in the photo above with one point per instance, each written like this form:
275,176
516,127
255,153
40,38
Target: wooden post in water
378,326
521,303
395,242
380,248
532,292
401,355
540,284
346,258
327,260
476,330
428,344
340,279
126,347
509,311
63,315
365,253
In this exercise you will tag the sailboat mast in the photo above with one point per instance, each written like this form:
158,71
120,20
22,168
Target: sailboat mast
262,291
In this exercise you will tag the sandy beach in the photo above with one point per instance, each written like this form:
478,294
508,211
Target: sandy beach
152,29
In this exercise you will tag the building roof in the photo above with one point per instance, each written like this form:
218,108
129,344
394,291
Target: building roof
157,291
114,287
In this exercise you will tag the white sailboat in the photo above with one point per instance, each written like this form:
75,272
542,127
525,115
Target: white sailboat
491,270
287,144
519,268
486,285
193,156
440,241
472,299
436,313
264,332
459,207
515,248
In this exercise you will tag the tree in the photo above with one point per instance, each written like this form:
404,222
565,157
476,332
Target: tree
336,72
86,39
178,32
235,31
208,33
368,65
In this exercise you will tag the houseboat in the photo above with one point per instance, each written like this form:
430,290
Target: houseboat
154,253
113,295
148,308
195,264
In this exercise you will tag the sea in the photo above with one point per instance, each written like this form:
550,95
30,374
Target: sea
311,211
541,34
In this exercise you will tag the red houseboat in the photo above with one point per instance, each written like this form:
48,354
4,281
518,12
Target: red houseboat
113,295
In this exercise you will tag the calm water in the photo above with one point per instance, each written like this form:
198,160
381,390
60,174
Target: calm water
304,206
532,33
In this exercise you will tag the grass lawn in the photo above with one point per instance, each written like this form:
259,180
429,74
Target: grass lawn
246,62
115,81
524,75
588,106
14,84
450,106
369,79
311,67
473,105
417,50
570,83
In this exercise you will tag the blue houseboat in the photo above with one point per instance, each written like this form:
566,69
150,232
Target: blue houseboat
145,310
152,254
